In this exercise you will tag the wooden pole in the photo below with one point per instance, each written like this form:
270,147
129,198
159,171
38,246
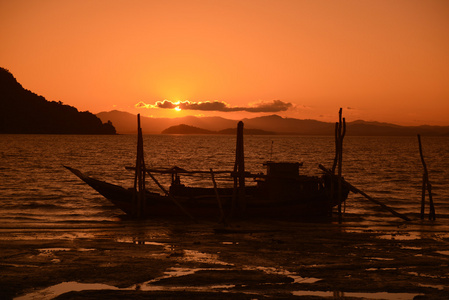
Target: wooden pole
334,166
341,134
357,191
242,198
426,184
340,131
136,173
142,177
341,160
139,176
238,197
217,195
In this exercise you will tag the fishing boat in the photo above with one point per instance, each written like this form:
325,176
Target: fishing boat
281,192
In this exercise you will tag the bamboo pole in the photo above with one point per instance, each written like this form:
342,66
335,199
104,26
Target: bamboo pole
136,174
170,196
217,195
426,184
357,191
142,177
340,132
181,171
242,198
238,197
139,176
234,191
334,166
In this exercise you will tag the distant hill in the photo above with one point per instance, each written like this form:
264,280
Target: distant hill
186,129
126,122
290,125
247,131
22,111
377,129
273,124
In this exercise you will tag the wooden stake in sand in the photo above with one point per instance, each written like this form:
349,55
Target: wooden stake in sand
425,185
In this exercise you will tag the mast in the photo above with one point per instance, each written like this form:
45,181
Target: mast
139,177
238,199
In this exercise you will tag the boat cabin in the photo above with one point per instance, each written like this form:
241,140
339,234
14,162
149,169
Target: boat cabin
282,169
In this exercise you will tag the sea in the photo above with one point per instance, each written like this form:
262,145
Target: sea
36,191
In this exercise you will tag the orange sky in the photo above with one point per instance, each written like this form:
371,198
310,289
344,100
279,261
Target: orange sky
380,60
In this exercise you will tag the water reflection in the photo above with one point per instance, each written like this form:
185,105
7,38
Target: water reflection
386,168
345,295
65,287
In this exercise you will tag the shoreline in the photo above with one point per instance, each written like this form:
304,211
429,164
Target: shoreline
248,260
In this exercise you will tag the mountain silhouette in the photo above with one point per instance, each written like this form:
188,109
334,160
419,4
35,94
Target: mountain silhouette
22,111
126,122
247,131
290,125
186,129
273,124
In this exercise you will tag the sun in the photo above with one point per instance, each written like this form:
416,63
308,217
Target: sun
177,108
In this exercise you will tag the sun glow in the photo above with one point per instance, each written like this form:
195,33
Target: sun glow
233,54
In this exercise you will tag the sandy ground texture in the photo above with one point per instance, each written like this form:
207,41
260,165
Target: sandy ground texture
244,260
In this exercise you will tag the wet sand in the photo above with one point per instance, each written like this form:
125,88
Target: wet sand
254,259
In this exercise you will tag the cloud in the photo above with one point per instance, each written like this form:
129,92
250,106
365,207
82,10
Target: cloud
205,106
165,104
272,106
142,104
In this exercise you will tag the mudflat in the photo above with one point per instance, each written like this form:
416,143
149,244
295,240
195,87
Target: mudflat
257,259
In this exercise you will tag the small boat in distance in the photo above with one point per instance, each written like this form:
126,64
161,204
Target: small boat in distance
281,192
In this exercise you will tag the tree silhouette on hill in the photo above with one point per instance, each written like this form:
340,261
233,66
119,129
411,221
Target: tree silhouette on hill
22,111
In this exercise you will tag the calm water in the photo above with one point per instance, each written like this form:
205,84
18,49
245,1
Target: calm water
36,191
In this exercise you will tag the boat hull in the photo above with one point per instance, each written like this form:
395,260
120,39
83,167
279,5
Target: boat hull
312,199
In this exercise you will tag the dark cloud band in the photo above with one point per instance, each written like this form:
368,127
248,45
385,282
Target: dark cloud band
273,106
